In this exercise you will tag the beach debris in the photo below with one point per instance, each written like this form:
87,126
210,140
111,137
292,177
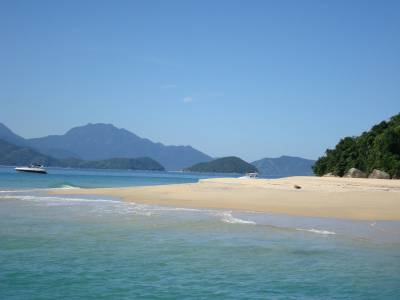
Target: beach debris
378,174
355,173
297,187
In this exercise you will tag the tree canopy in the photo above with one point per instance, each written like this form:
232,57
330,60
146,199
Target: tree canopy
229,164
378,148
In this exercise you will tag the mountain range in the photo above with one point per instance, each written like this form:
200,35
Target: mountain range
284,166
99,142
103,141
11,154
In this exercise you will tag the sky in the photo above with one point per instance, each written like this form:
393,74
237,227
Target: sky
248,78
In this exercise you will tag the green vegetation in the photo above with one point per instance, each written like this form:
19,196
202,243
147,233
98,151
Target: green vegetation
378,148
229,164
16,155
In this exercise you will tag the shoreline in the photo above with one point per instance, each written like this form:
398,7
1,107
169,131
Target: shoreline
341,198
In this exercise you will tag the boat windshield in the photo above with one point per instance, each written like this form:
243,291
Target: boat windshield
36,166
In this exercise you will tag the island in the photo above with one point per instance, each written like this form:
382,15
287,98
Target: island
230,164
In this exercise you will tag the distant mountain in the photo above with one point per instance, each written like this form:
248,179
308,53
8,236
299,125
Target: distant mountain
229,164
19,155
141,163
7,135
104,141
284,166
56,152
16,155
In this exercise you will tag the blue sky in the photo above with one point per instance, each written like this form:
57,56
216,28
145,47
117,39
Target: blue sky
248,78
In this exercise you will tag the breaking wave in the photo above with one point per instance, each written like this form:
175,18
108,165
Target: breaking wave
65,186
317,231
52,198
228,218
68,187
110,206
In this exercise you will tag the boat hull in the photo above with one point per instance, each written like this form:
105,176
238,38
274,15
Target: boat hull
31,170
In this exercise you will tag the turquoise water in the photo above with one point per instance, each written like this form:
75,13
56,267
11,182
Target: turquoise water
91,248
59,177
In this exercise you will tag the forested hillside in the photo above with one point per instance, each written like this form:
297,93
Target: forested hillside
378,148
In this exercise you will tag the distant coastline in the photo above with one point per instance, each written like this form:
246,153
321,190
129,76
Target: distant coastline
16,155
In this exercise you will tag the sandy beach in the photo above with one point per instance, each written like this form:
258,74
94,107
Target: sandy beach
346,198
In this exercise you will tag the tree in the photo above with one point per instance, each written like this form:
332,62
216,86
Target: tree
378,148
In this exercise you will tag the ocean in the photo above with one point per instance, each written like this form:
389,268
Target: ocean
86,247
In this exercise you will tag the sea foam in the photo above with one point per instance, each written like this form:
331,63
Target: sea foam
228,218
52,198
68,187
317,231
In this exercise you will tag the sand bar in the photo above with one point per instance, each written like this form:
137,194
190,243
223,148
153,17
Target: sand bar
346,198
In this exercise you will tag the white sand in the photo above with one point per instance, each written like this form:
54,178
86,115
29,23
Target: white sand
348,198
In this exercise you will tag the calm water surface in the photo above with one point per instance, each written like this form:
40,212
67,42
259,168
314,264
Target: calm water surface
90,248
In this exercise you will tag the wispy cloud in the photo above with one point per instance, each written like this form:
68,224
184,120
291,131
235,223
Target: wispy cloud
169,86
187,99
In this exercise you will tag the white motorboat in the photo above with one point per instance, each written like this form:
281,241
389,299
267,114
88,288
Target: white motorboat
252,175
32,169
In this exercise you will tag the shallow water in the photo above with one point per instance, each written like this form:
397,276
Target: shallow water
84,247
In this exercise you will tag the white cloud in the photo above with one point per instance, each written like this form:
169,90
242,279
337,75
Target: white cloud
187,99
